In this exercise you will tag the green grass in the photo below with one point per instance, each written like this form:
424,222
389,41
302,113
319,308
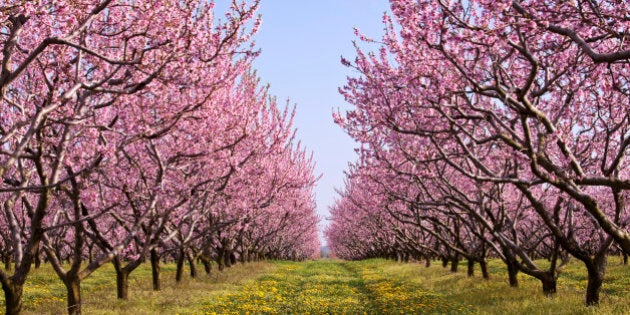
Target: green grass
45,294
333,287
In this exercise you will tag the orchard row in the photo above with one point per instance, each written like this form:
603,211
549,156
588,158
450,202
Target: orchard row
491,129
135,130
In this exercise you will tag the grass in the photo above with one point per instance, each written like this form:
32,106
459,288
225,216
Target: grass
333,287
496,297
45,294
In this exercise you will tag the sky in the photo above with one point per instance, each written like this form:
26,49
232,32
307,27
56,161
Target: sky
302,42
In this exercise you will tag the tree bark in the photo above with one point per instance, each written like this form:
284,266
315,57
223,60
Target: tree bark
512,274
549,284
454,264
596,271
180,267
38,261
221,259
193,266
471,268
227,261
625,259
13,298
207,266
483,265
73,287
427,262
155,270
122,284
444,262
232,259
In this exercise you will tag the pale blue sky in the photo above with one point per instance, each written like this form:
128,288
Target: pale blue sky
301,43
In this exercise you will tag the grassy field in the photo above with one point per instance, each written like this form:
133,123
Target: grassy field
333,287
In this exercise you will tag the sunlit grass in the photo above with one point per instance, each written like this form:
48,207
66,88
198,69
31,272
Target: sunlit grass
333,287
495,296
45,294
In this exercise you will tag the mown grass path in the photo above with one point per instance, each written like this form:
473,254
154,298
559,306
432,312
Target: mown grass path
331,287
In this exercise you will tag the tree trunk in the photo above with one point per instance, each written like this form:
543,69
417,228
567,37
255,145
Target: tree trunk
444,262
512,274
73,287
483,265
221,259
207,266
155,270
193,266
625,259
13,298
427,262
549,283
232,259
454,264
180,267
596,272
226,259
122,285
471,268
